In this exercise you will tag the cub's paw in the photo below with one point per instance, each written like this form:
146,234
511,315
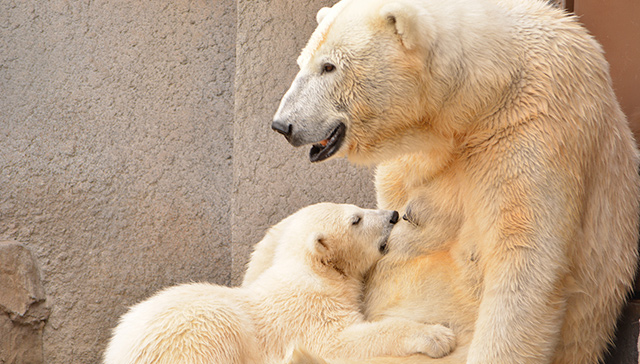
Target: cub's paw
434,340
301,356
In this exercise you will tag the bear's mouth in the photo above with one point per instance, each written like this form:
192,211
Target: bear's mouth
328,147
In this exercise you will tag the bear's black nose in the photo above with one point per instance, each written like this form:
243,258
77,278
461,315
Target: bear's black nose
282,127
394,217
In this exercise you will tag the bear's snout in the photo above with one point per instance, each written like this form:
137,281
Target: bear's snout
394,217
282,127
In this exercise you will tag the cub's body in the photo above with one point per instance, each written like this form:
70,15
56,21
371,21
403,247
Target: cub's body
303,287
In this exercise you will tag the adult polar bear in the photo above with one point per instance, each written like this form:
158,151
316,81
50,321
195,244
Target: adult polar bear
498,119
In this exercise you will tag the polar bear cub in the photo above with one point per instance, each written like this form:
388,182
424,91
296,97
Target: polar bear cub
303,288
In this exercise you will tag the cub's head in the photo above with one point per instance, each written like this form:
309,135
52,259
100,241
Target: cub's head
359,89
344,240
341,238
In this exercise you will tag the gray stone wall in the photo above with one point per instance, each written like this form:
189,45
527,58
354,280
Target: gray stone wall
136,150
271,178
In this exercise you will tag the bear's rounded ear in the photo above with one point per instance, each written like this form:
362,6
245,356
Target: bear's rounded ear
404,18
319,244
321,14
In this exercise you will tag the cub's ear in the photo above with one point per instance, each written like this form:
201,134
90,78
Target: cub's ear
404,18
319,244
322,13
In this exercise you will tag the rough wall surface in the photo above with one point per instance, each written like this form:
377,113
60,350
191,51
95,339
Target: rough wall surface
116,132
126,167
271,178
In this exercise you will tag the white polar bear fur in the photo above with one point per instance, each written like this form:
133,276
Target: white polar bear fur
304,287
499,116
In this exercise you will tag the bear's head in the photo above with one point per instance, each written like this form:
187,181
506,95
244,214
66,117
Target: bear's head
381,78
342,239
355,74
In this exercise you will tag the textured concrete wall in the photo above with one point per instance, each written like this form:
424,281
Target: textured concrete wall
271,178
125,166
116,133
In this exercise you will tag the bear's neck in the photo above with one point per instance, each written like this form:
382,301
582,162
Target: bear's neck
471,75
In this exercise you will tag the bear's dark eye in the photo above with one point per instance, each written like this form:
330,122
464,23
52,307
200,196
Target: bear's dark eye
408,218
356,220
328,67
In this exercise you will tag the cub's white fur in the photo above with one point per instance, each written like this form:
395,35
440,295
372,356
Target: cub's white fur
303,287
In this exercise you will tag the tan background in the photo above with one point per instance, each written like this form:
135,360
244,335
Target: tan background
116,145
136,150
130,160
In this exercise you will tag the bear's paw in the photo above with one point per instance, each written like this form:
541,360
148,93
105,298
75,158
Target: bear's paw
435,341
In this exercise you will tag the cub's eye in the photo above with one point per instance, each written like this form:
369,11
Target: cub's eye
356,220
328,67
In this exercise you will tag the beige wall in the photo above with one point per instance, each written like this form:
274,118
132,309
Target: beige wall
116,153
136,149
271,178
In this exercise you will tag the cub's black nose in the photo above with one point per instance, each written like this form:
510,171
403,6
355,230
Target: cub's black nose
394,217
282,128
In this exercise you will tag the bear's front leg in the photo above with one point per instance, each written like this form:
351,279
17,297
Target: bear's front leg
524,263
396,337
521,313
